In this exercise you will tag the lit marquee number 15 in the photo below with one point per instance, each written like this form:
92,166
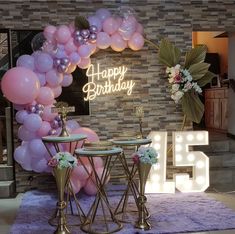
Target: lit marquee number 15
199,182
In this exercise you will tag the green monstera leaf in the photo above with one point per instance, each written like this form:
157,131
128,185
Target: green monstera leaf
81,23
169,55
192,106
195,55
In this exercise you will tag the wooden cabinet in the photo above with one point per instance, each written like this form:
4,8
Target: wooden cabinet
216,108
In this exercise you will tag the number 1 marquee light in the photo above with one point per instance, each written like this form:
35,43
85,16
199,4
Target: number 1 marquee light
182,157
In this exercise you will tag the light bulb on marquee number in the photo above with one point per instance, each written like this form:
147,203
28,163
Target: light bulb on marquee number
157,182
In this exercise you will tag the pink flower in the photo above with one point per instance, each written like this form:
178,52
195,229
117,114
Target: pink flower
135,158
177,78
53,162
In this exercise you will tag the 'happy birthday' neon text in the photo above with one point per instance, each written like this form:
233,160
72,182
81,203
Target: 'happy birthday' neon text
107,81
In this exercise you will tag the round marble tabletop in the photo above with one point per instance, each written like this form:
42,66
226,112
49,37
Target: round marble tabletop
58,139
89,152
132,141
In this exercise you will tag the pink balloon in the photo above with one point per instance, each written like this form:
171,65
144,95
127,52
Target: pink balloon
18,107
70,46
103,14
32,122
140,28
110,25
39,165
136,42
45,96
62,34
72,124
20,153
84,51
53,78
90,187
76,185
57,91
27,164
41,78
84,63
74,58
100,172
25,135
43,62
72,27
44,129
67,80
20,85
47,113
49,47
98,162
21,115
103,40
60,53
26,61
128,27
49,32
92,48
117,43
37,147
91,137
94,20
71,68
80,172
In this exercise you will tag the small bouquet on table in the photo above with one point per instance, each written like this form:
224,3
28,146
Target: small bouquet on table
62,164
144,158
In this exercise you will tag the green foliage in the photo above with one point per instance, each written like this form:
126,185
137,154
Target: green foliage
195,55
192,106
81,22
169,55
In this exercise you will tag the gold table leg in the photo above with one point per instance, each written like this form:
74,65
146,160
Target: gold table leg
105,221
131,186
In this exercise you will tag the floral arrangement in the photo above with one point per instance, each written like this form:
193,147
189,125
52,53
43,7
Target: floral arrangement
145,155
181,82
186,81
63,160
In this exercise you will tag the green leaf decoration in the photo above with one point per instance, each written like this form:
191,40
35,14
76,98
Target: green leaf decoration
205,79
198,70
81,23
195,55
169,55
192,106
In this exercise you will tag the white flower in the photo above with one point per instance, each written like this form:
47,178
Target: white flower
175,88
177,66
187,86
197,87
177,96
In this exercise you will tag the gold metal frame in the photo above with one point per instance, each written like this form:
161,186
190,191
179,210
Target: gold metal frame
101,200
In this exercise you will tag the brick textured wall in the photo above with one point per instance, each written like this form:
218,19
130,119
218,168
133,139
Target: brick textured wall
175,19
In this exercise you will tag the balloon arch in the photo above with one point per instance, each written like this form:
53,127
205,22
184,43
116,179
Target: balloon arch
37,80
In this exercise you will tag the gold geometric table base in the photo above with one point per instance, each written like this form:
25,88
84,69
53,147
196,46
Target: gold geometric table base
100,218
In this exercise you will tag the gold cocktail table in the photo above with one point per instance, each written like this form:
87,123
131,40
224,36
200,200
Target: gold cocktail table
59,216
100,218
130,173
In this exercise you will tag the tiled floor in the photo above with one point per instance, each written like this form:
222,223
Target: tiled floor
9,207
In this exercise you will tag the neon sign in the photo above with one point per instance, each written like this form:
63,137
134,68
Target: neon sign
107,81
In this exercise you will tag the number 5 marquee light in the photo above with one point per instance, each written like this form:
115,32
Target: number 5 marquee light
182,157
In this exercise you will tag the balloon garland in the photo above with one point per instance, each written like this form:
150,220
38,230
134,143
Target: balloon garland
37,80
